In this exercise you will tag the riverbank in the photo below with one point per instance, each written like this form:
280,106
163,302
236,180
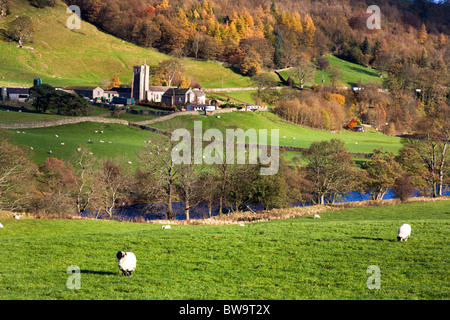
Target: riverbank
242,216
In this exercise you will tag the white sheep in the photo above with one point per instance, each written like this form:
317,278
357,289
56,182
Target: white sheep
50,152
126,262
62,143
316,216
16,217
404,232
56,136
1,226
166,227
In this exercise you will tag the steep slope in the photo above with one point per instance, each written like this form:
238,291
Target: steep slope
87,56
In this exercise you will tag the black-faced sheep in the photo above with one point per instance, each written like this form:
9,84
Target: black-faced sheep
126,262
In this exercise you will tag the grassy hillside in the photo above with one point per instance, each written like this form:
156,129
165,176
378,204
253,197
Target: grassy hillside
289,134
125,140
87,56
296,259
351,73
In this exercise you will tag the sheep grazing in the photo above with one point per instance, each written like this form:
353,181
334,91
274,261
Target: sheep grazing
316,216
50,152
166,227
404,232
126,262
62,143
56,136
16,217
1,226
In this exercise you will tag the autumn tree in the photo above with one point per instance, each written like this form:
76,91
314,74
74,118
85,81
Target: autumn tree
423,34
309,30
329,168
57,182
17,174
382,172
168,70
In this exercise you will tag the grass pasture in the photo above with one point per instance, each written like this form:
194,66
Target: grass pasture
289,134
351,73
299,258
125,140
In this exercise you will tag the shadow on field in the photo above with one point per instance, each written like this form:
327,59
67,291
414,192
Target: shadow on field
98,272
375,239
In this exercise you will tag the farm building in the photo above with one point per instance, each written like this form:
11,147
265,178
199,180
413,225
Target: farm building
14,94
200,107
93,93
358,128
251,107
177,96
155,93
108,96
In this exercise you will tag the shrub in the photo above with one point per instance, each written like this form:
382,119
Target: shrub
403,188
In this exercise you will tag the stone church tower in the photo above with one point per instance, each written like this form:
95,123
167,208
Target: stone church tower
139,88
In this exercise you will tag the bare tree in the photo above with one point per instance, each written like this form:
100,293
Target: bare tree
187,186
112,182
157,159
209,187
85,163
304,71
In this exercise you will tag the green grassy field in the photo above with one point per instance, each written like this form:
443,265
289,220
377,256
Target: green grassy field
363,142
299,258
351,73
238,97
125,140
87,56
20,117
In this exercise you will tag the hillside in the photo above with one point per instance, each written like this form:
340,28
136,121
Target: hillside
90,56
87,56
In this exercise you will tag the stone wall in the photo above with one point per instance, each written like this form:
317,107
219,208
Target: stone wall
60,122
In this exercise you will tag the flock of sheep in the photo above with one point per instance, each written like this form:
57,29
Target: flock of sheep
79,149
127,260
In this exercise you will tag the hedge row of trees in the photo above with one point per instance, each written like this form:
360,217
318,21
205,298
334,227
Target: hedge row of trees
328,172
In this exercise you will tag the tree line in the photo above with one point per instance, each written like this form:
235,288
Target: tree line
324,173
